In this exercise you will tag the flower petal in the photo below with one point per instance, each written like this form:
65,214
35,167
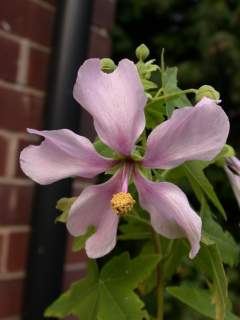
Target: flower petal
116,102
192,133
93,207
171,214
235,183
62,154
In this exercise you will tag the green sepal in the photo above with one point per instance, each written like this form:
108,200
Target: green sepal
142,52
64,205
207,91
79,242
145,69
226,152
107,65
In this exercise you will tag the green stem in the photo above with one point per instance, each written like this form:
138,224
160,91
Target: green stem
160,277
144,139
158,93
175,94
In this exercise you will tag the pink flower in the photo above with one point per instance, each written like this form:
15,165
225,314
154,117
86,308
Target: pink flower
116,102
233,172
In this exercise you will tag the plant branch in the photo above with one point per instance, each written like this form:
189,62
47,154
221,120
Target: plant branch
175,94
160,277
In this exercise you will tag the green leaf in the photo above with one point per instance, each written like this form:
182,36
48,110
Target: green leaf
154,112
213,233
226,152
197,299
169,85
149,85
64,205
134,228
107,294
103,149
79,242
194,172
178,251
145,69
85,291
209,261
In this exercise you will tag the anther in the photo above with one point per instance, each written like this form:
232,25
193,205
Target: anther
122,203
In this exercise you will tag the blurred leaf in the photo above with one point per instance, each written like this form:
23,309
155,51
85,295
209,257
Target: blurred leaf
108,293
148,85
64,205
213,233
178,251
134,229
154,112
169,86
197,299
79,242
209,261
196,175
103,149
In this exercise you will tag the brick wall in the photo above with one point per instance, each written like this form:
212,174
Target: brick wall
24,54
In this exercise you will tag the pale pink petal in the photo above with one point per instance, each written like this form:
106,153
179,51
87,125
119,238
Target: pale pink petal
93,207
192,133
233,173
170,211
62,154
116,102
234,164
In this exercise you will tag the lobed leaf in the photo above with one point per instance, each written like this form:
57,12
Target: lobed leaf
197,299
108,293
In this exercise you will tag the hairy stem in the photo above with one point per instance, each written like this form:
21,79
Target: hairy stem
160,277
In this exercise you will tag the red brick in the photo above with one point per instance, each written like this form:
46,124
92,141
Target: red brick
103,13
20,110
74,257
52,2
100,44
38,69
10,297
28,19
1,245
18,249
72,276
9,51
16,204
3,153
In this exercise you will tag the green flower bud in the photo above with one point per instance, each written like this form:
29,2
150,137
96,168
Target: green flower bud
207,91
142,52
107,65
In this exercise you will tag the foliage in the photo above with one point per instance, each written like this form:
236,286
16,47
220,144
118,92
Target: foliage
124,286
108,293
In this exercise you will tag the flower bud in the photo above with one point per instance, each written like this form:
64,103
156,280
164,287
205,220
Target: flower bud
107,65
142,52
207,91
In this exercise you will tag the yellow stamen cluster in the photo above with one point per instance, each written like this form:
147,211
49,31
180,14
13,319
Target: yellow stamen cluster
122,203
